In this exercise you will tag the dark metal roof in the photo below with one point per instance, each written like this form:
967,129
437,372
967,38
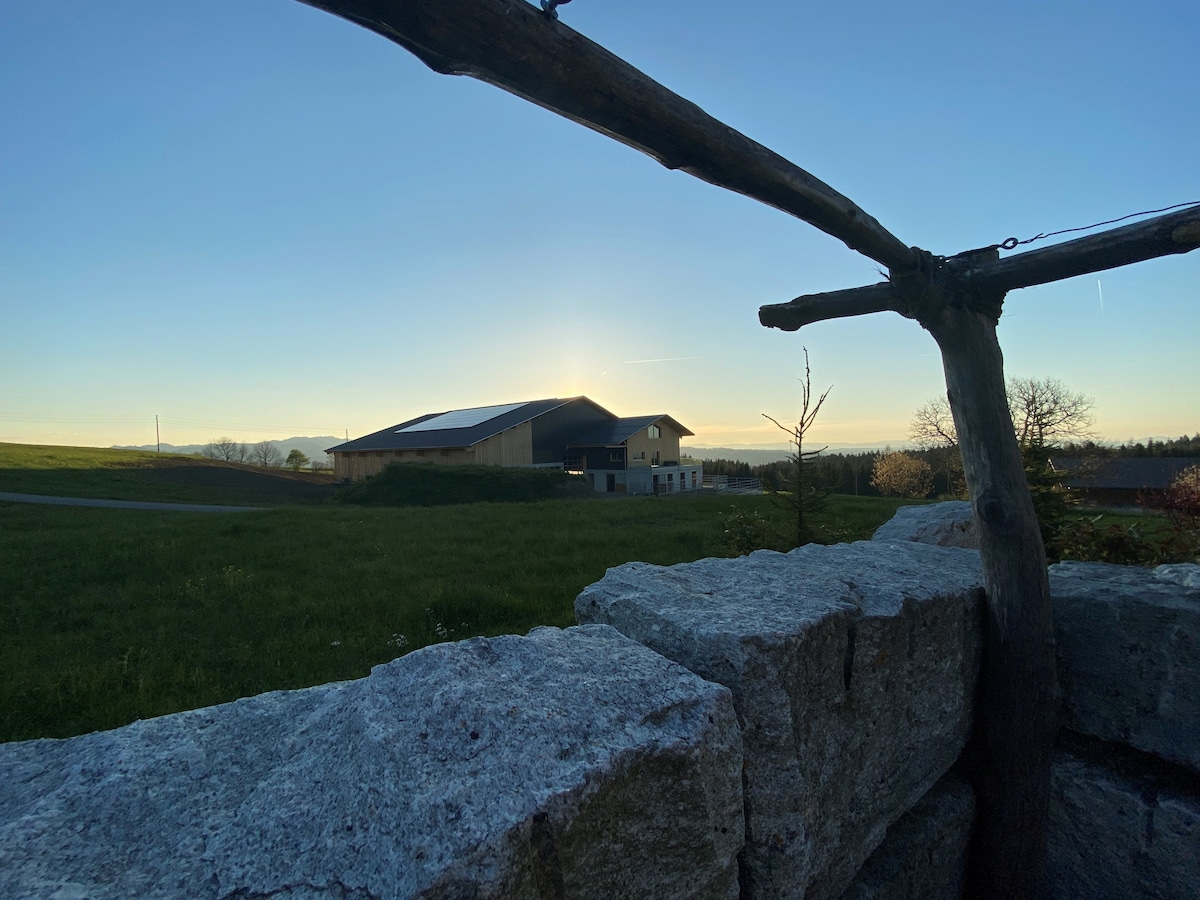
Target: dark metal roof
394,439
1122,473
621,430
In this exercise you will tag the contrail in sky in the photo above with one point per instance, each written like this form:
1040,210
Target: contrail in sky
1100,288
630,362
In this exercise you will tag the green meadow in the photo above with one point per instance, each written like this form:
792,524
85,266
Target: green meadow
110,615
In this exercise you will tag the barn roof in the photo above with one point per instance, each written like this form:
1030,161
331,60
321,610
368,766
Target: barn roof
621,430
1122,473
456,427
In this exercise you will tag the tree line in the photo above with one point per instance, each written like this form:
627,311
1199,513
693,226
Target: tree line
264,454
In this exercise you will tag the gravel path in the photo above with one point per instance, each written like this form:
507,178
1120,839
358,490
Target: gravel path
124,504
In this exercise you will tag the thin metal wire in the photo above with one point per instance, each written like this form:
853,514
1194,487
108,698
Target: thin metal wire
1012,242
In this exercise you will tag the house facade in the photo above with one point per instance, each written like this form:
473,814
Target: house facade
638,455
631,455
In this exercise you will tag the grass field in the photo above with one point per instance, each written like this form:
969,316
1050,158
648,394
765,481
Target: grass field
140,475
113,615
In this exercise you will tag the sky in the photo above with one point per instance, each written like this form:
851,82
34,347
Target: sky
251,218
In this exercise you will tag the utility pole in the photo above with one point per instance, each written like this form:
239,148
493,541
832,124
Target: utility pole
157,438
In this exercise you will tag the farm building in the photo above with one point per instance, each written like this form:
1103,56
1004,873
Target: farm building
1122,481
635,455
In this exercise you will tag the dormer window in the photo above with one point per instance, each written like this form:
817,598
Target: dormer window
654,432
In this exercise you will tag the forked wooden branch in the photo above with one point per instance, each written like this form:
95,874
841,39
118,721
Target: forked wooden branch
1177,232
510,44
795,314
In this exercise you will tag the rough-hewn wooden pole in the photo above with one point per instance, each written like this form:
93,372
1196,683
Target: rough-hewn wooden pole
1018,719
512,45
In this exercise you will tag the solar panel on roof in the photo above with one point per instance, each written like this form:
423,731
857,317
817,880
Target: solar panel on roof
462,418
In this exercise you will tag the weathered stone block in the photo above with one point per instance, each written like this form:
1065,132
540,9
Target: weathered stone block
1116,838
853,670
949,524
1129,657
568,763
924,856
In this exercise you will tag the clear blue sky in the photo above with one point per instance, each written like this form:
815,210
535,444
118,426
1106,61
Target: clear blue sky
255,219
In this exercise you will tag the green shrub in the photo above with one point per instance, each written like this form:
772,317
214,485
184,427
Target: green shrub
430,484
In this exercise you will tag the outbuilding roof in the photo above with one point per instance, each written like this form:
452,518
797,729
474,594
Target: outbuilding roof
621,430
457,427
1122,473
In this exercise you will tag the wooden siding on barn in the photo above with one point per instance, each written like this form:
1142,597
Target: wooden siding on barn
513,447
360,464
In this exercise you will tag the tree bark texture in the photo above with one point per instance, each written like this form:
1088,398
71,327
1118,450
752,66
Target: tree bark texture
1018,716
512,45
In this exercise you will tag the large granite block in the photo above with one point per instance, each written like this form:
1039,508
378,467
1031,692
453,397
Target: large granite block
853,669
568,763
1116,837
1129,656
924,856
948,524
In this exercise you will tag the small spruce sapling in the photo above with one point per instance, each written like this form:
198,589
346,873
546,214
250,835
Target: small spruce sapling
804,499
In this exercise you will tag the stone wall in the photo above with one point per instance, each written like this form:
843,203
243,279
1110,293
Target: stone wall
779,725
1125,820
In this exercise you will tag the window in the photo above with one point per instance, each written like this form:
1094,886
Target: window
639,454
614,455
654,432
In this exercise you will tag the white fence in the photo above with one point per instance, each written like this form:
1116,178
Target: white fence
727,485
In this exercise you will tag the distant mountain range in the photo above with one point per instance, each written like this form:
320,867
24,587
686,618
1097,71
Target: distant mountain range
312,447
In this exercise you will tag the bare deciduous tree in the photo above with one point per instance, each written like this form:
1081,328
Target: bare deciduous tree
227,449
933,431
266,454
933,426
1045,411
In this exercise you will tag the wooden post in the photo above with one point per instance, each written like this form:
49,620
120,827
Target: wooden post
1018,718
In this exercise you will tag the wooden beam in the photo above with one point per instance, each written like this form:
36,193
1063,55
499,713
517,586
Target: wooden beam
512,45
795,314
1177,232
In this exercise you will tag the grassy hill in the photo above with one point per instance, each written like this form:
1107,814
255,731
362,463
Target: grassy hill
109,615
144,475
